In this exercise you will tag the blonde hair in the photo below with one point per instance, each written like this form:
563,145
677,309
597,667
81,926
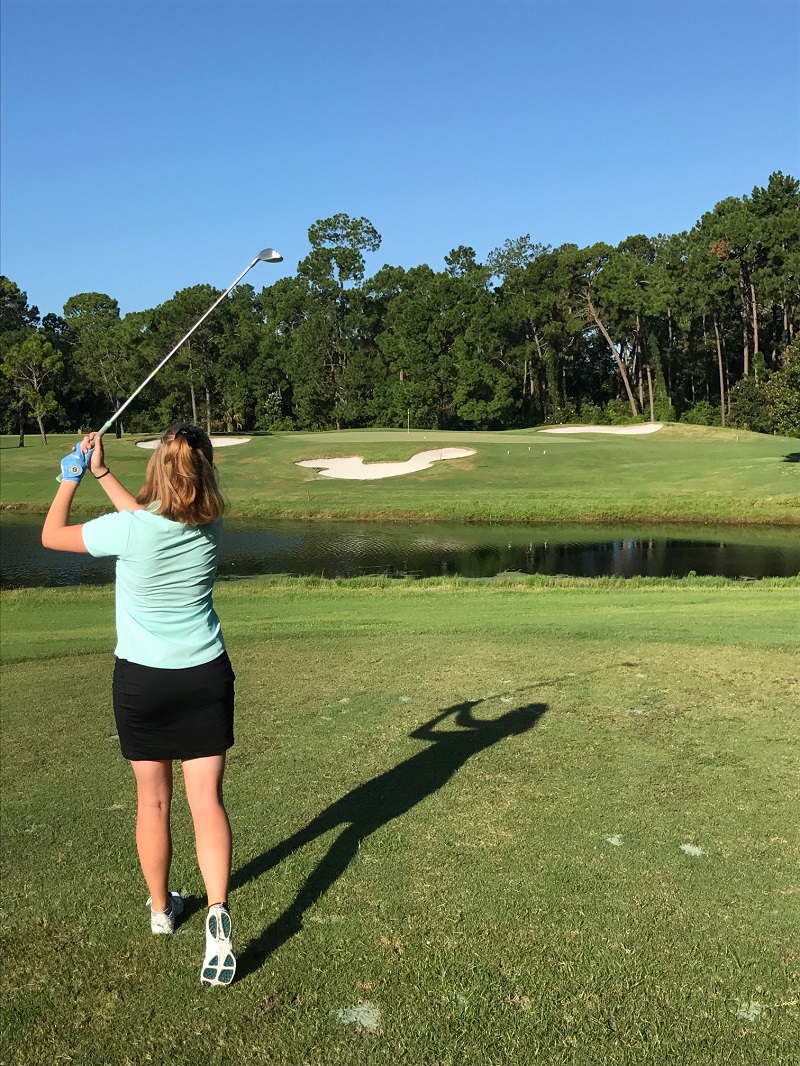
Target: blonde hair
180,482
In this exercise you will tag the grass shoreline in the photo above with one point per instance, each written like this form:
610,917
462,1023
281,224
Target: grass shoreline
509,579
664,516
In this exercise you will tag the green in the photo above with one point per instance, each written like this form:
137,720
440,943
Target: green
680,474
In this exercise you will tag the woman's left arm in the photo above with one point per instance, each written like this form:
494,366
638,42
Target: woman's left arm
57,533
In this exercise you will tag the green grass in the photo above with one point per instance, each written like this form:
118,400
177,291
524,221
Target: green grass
511,890
681,474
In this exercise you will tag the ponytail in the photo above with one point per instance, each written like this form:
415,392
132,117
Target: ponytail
180,482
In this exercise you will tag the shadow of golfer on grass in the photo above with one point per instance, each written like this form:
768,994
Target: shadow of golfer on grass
374,804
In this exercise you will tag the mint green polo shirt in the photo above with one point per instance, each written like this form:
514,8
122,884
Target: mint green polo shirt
165,577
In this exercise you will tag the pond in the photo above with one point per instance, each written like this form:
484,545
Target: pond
351,549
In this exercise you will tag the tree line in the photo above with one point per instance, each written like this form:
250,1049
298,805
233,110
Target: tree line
700,326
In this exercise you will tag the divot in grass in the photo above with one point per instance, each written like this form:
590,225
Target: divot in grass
693,850
615,841
749,1010
363,1016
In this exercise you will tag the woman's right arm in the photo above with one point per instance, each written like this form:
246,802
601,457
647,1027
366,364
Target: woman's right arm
115,490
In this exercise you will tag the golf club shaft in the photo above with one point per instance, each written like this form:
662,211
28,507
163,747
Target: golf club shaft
167,357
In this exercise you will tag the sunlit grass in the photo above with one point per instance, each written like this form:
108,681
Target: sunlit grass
680,474
508,885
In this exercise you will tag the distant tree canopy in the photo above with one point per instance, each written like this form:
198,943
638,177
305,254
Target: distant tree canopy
700,326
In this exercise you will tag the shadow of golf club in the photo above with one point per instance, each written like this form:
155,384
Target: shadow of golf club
372,805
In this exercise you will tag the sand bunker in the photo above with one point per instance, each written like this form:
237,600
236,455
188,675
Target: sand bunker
217,442
649,427
353,468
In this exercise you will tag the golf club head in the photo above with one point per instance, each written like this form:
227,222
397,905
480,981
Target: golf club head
269,255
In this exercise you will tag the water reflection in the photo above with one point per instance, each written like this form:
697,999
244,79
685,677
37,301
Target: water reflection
344,549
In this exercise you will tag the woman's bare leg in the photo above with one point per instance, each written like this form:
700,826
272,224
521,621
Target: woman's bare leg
212,830
153,837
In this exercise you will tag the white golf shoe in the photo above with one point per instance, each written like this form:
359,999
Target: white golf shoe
219,964
164,921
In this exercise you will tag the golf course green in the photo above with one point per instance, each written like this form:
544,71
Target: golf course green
679,474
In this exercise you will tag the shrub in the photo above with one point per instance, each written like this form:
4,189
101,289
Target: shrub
562,415
783,394
592,414
618,413
269,413
747,406
701,414
663,411
771,405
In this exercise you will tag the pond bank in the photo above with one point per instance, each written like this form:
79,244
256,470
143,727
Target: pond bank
398,549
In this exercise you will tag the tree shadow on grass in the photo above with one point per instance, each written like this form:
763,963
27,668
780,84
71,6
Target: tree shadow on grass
792,457
372,805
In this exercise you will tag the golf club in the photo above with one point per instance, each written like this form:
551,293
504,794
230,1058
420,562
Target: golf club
267,255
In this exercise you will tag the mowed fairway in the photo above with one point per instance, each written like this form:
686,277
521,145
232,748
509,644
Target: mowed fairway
475,823
681,473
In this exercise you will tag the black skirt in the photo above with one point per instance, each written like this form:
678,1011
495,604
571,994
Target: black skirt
174,714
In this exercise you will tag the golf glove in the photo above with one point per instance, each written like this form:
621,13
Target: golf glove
75,465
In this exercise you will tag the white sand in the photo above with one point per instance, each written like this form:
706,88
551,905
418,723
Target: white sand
217,442
628,431
353,468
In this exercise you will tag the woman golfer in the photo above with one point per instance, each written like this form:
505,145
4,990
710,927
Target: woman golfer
173,682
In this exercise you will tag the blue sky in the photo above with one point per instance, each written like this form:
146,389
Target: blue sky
147,146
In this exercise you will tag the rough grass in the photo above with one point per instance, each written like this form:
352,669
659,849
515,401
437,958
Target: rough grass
459,812
681,474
